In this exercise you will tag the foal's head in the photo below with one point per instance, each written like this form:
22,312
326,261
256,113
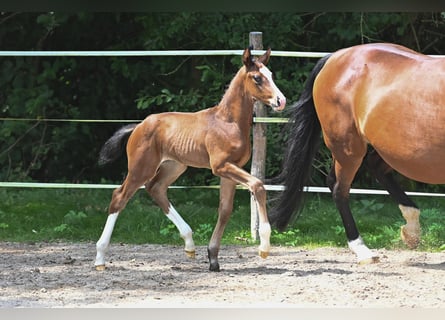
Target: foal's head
259,82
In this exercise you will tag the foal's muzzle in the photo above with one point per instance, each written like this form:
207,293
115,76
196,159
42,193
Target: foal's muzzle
280,103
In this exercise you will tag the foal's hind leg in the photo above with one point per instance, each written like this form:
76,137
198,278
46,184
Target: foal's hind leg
141,167
168,172
410,233
226,196
118,202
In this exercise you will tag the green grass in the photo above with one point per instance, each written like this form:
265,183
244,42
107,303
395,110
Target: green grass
79,215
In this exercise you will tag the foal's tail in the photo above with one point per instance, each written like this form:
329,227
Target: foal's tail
303,142
115,146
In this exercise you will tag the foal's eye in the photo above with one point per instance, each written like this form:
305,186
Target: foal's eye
257,79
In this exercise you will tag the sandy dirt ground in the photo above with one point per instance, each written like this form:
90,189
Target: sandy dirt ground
62,275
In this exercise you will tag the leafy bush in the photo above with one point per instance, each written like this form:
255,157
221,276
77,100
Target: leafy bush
41,88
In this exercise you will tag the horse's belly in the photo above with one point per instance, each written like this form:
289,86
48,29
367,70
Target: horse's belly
417,151
425,169
198,160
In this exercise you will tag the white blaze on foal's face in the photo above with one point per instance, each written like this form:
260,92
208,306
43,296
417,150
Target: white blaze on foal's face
278,101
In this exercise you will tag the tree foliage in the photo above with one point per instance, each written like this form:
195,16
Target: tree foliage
40,88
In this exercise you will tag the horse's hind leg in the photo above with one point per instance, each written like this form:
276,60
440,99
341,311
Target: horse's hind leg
410,233
345,168
104,241
118,202
168,172
226,196
142,165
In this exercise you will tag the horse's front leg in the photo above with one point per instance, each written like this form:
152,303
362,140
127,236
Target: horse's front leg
226,196
256,186
264,230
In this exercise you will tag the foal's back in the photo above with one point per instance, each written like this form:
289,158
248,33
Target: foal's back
191,137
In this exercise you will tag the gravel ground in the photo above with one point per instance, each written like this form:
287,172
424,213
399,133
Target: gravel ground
62,275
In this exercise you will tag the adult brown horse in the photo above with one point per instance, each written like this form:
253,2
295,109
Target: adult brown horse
380,95
160,148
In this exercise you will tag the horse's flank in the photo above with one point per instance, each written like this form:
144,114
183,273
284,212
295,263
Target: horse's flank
383,95
388,88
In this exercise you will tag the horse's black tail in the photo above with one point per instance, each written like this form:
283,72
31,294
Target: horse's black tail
115,146
303,142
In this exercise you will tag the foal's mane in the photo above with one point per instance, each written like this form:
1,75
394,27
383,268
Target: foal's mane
233,85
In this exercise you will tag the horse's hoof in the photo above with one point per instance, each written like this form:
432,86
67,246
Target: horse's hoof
190,254
411,239
214,267
100,267
369,260
263,254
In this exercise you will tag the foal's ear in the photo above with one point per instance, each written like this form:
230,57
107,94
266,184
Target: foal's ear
247,57
264,59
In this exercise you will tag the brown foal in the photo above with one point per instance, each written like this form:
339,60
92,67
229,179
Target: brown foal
161,147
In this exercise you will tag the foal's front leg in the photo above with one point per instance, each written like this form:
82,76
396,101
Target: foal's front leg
256,186
226,196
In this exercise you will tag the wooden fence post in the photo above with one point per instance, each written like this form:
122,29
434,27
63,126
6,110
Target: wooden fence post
258,166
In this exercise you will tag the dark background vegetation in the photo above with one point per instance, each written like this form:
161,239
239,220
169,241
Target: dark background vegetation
134,87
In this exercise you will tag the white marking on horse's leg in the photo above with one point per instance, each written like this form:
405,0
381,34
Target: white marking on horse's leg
264,231
104,241
184,230
410,233
364,255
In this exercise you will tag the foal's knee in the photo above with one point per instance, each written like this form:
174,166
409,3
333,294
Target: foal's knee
258,189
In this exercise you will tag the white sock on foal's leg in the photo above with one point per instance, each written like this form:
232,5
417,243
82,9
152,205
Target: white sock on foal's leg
104,241
264,231
184,230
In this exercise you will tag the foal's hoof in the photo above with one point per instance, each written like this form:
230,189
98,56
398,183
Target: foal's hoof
410,237
214,267
100,267
371,260
263,254
190,254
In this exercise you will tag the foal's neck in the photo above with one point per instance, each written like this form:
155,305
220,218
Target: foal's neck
237,104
